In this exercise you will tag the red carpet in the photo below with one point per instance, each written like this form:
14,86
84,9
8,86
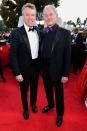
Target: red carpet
11,119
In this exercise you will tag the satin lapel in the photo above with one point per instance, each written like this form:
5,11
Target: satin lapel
25,37
57,37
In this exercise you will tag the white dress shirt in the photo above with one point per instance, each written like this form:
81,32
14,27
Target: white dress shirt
33,41
75,35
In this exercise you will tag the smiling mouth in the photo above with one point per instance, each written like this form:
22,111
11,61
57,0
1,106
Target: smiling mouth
30,21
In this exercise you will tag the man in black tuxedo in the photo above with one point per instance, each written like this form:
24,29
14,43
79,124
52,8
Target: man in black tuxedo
78,57
24,57
55,56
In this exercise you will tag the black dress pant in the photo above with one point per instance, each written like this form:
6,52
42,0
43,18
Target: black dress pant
24,86
59,96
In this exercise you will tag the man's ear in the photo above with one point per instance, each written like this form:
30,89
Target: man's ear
22,16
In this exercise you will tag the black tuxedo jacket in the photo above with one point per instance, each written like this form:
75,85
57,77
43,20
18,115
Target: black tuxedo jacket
60,54
20,52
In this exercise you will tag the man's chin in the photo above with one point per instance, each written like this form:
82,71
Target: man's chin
50,25
30,25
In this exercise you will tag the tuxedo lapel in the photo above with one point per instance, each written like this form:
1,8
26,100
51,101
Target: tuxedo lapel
57,37
25,37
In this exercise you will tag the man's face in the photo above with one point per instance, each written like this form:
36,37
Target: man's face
29,16
76,31
50,17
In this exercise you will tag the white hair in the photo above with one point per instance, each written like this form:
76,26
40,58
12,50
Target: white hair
50,6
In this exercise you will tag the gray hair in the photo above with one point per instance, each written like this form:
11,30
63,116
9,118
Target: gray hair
29,5
50,6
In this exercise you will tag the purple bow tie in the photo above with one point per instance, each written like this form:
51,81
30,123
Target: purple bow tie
49,29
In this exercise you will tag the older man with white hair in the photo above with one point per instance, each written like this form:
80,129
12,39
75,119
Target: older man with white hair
55,55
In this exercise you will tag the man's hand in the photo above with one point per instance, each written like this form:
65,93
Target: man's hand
64,79
19,78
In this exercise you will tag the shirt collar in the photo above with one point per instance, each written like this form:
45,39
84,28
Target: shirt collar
76,34
51,28
26,27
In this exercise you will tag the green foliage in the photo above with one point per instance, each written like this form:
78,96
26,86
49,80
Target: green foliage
70,22
80,25
11,9
85,21
3,28
78,22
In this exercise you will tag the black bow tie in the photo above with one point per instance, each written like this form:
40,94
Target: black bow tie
31,29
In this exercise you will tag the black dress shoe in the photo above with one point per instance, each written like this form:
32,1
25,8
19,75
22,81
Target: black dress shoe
34,109
59,120
3,79
26,115
47,108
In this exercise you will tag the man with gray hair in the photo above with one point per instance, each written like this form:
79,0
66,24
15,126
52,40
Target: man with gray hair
55,56
24,52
